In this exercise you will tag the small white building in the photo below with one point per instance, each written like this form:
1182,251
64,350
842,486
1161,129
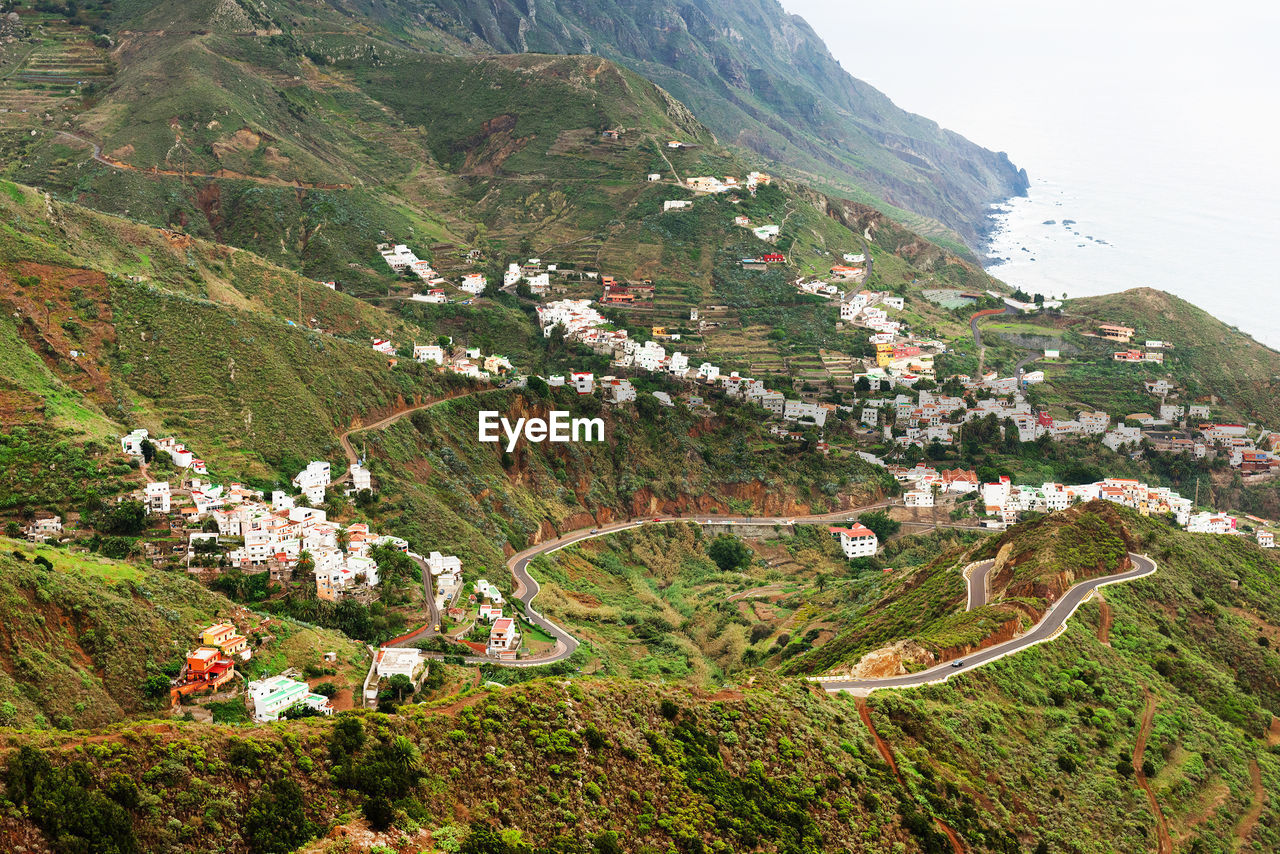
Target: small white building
157,496
504,639
313,480
1266,539
392,661
272,697
361,479
918,498
441,564
856,540
797,410
132,444
654,176
428,353
675,205
583,383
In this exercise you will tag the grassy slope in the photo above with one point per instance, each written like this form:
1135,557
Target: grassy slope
203,347
1024,750
79,641
733,772
1186,636
1209,357
443,490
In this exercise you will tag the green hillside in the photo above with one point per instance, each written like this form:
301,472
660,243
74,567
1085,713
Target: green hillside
81,639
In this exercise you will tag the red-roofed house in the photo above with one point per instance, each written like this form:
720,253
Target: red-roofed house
504,639
856,540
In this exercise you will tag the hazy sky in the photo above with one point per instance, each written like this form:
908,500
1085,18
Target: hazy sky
1156,126
1047,82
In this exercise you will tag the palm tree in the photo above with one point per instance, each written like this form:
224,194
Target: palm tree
304,571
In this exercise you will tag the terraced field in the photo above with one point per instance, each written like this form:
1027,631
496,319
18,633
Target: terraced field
44,78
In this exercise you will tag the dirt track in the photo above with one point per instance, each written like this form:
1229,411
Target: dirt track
1165,842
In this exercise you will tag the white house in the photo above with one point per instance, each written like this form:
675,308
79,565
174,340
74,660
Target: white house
856,540
360,478
313,480
392,661
1211,523
441,564
797,410
1266,539
583,383
766,232
132,444
708,372
272,697
897,303
157,495
918,498
428,353
675,204
654,176
512,275
504,639
474,283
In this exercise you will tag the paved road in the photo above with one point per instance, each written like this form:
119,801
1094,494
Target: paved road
977,582
1053,620
527,587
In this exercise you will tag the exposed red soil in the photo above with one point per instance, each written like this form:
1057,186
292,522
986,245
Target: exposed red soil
864,712
1139,748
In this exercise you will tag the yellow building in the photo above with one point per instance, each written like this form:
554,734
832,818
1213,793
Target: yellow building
884,354
225,637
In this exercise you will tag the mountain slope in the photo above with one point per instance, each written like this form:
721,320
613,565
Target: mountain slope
763,80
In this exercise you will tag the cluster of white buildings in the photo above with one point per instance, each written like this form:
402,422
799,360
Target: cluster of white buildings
710,184
1005,500
177,452
276,535
402,259
532,272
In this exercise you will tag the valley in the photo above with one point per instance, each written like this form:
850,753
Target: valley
829,576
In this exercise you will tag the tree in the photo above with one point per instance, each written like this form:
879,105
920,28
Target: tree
126,519
277,822
401,685
148,451
12,529
880,523
304,572
156,687
729,553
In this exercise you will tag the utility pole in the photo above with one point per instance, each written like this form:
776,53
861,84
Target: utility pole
300,302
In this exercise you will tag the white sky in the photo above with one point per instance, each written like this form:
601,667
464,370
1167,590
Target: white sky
1051,82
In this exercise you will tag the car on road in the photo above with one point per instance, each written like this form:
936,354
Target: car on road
657,520
436,627
595,530
957,664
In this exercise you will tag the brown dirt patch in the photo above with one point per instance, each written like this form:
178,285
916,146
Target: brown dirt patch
1250,819
1165,842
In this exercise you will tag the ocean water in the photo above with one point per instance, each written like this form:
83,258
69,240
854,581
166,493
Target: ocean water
1154,129
1078,236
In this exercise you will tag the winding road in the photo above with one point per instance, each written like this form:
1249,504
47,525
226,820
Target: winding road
527,587
1054,620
